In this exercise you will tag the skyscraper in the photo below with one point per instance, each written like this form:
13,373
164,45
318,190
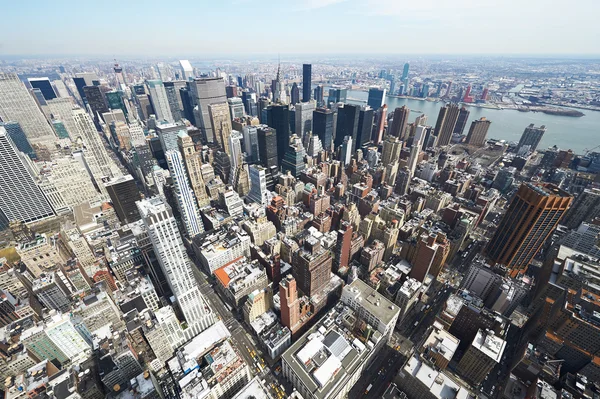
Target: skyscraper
478,132
323,126
278,117
159,100
532,216
193,167
295,94
380,121
220,122
347,123
304,118
207,91
21,199
376,97
293,161
585,208
445,124
175,264
174,98
399,122
17,105
251,143
96,101
306,82
17,135
267,146
258,185
318,94
123,194
347,150
365,126
186,200
463,116
45,87
337,95
532,137
187,72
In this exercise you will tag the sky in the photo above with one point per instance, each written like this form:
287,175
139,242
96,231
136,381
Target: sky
228,27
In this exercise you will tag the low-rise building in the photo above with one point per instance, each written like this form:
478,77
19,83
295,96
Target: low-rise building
238,279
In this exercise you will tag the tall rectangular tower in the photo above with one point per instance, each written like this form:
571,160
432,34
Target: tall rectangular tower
445,124
532,216
159,100
306,82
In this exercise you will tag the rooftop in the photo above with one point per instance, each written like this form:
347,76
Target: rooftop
375,303
442,342
489,344
440,384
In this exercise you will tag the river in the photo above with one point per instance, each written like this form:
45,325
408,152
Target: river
565,132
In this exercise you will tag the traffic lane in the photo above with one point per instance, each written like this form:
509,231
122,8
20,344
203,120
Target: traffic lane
390,370
373,374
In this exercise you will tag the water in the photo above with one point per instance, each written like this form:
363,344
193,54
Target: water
565,132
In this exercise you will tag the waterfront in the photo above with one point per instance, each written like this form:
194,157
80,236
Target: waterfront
565,132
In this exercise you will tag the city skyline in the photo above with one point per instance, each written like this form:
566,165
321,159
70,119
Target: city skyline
430,27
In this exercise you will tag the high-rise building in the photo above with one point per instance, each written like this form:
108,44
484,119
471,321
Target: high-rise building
236,107
258,185
207,91
323,124
342,247
376,97
532,216
304,118
392,147
278,117
159,100
337,95
478,132
347,150
174,98
250,134
18,137
483,355
17,105
175,264
380,121
531,137
445,124
96,101
306,82
293,161
586,207
187,72
220,121
123,194
365,127
295,94
22,200
44,85
463,116
347,123
318,94
186,200
399,122
312,267
405,71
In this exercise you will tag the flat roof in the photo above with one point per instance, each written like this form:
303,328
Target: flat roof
489,344
372,301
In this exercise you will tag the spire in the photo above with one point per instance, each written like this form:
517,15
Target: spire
278,68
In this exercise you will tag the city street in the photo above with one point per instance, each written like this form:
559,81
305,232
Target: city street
379,375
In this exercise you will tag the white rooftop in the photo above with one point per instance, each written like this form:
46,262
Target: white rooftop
489,344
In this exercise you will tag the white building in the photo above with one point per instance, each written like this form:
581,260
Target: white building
221,248
304,118
186,70
186,200
232,202
258,185
175,264
69,334
347,150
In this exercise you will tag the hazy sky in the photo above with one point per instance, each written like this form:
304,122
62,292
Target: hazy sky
196,27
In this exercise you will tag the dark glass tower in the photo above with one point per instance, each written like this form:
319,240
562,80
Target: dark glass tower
267,146
376,98
278,117
306,82
347,123
463,116
115,101
123,194
365,126
18,137
45,87
295,95
96,101
323,126
80,84
318,94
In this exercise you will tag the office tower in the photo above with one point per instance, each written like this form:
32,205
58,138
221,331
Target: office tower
323,123
61,109
311,267
186,200
193,167
220,122
405,71
293,161
478,132
236,107
258,185
413,159
159,100
250,140
17,135
204,92
365,127
347,123
268,146
114,99
531,218
17,105
306,82
343,247
175,264
278,117
531,137
124,194
399,122
376,97
21,199
484,353
172,89
445,124
463,116
586,207
347,150
392,147
187,72
235,149
44,85
337,95
295,94
318,93
96,157
403,178
304,118
51,291
380,121
96,101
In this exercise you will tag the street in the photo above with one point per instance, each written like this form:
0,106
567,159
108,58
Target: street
379,374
